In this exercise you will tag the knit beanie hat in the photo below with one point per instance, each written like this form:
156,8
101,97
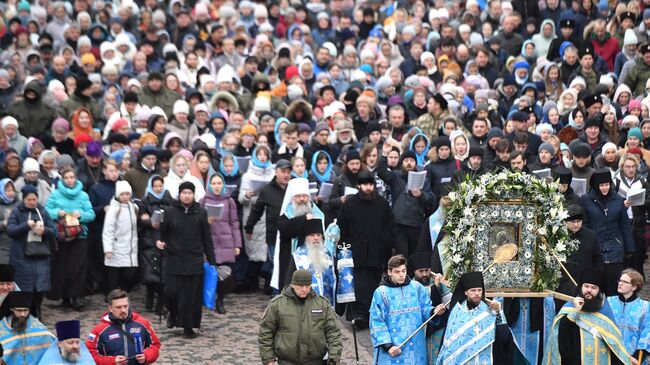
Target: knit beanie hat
122,187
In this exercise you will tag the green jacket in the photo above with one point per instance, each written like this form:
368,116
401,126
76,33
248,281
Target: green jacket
73,103
301,333
34,117
637,77
163,98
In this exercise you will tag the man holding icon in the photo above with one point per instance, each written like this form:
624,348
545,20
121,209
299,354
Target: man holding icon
584,331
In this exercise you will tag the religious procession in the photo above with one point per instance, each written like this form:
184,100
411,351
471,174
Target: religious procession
419,182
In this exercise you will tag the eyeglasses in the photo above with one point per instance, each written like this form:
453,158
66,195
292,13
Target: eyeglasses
624,282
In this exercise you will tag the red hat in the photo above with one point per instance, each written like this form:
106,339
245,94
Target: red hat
120,123
635,150
20,30
82,138
291,72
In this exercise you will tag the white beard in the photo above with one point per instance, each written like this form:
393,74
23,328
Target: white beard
301,209
345,140
317,257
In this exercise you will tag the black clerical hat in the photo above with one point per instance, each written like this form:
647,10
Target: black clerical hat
419,260
19,299
563,174
468,281
7,273
313,226
593,276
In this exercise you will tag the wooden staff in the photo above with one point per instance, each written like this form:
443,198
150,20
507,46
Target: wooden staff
558,259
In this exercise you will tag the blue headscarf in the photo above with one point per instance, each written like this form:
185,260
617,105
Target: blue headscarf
150,187
278,122
521,64
257,162
304,175
235,169
217,135
3,194
325,177
223,180
421,158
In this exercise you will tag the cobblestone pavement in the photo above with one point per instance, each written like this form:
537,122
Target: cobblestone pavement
229,339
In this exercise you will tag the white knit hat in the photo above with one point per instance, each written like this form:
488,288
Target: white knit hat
30,165
262,104
630,38
226,74
210,140
181,107
122,187
294,91
156,110
9,120
261,11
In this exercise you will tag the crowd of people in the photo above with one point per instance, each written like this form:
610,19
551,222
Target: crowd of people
141,141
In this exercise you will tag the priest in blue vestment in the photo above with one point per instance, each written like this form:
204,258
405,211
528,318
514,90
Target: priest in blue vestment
584,331
24,339
476,332
632,314
399,306
69,349
315,258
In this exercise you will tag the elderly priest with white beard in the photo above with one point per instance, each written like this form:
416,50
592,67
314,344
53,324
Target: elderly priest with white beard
313,257
297,208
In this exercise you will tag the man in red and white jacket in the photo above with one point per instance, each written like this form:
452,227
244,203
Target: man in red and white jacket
111,342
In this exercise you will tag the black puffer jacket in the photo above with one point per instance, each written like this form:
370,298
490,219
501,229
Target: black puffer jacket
149,256
270,199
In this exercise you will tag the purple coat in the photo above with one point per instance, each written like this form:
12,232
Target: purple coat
226,235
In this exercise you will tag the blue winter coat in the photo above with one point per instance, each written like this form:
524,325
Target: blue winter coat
608,218
70,200
31,274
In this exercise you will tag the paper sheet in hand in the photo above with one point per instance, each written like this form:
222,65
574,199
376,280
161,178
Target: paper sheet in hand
325,191
71,220
156,217
243,162
257,185
214,210
350,191
579,186
230,189
416,180
543,173
636,197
